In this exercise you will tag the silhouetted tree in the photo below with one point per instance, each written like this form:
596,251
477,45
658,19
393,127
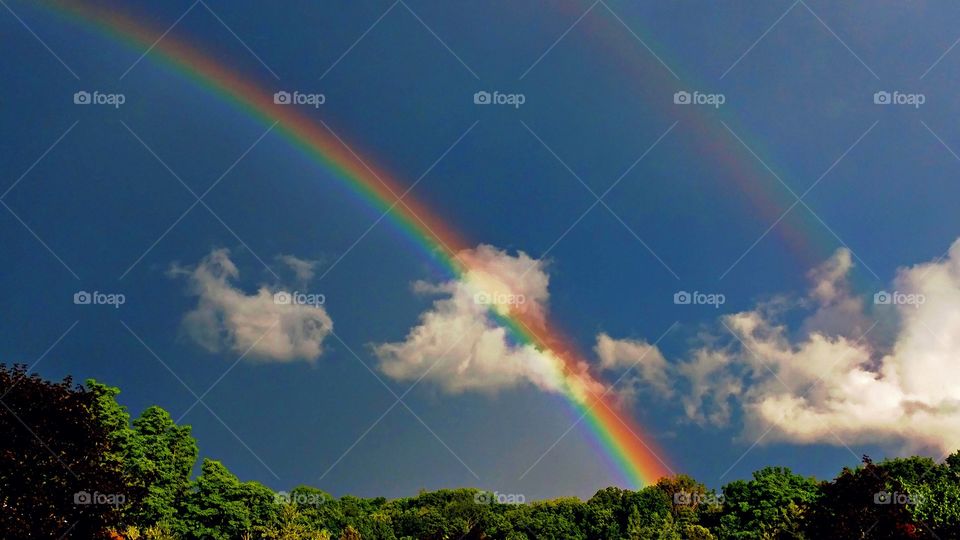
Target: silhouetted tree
865,502
60,475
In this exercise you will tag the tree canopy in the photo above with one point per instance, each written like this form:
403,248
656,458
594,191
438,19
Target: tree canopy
74,464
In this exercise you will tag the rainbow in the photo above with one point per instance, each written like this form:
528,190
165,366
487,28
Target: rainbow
808,240
623,443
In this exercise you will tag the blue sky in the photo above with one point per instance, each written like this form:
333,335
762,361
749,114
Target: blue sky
800,96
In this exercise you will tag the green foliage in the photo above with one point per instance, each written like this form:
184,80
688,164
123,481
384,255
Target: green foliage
114,418
151,460
221,507
936,494
349,533
162,459
292,525
697,532
771,505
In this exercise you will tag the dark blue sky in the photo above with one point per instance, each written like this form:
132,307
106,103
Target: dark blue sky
799,97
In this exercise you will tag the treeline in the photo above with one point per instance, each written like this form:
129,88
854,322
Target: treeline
73,464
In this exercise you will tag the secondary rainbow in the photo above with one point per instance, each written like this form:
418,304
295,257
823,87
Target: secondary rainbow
623,442
737,154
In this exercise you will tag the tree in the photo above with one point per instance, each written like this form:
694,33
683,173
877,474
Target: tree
161,458
687,496
291,525
608,513
221,507
59,470
115,419
697,532
934,491
768,506
862,503
349,533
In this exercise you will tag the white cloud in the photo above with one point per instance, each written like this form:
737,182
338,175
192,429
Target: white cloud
226,318
837,311
303,269
824,384
459,346
713,386
634,356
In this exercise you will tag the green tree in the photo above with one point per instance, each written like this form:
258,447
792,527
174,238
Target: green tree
934,496
697,532
115,419
162,459
770,505
292,525
687,497
221,507
349,533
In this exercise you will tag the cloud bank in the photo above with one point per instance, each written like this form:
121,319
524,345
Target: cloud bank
226,318
828,380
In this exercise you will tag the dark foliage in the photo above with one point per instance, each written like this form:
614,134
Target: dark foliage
54,480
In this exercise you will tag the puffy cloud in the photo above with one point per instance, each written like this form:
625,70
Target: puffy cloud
633,356
837,311
460,346
828,382
227,318
713,386
830,278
